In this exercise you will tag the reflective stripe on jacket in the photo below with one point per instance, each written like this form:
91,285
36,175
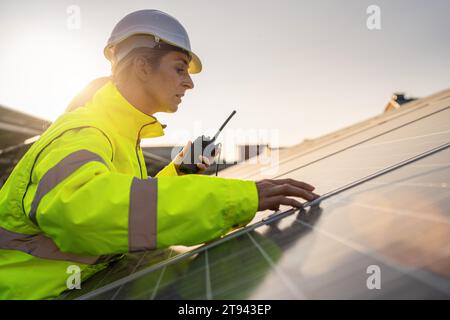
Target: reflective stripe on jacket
81,196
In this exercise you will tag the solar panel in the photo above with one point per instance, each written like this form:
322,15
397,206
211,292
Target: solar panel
398,222
364,158
356,157
385,206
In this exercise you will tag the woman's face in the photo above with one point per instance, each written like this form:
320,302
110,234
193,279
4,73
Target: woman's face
169,82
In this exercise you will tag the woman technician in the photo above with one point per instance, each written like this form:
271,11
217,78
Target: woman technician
81,195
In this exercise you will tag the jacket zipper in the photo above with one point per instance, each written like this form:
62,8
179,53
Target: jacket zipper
138,145
137,156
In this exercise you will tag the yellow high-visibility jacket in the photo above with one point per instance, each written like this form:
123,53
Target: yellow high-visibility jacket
81,196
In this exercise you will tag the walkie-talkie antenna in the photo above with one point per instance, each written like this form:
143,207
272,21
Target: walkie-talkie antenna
223,126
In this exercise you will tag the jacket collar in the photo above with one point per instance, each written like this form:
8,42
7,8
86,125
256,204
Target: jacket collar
123,116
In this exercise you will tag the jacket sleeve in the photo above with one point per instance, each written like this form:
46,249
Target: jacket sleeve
85,207
193,209
168,171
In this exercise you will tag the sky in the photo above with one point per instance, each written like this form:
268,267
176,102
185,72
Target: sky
293,70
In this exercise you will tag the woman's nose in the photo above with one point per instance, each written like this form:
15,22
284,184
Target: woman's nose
188,83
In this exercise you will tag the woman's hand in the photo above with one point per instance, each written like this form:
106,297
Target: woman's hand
202,165
273,193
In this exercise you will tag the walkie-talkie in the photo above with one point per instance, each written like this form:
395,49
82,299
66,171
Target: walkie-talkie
201,146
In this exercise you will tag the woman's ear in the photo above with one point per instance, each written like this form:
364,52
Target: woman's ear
142,68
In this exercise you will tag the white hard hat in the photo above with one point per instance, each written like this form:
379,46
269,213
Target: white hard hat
156,23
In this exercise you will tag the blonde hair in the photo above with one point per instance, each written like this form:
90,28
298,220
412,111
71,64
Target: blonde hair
87,93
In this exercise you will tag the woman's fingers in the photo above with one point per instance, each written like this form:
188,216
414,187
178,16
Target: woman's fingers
295,183
201,167
205,160
273,203
290,190
290,202
273,193
204,164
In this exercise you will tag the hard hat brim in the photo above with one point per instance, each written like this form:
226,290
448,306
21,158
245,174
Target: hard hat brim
195,65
